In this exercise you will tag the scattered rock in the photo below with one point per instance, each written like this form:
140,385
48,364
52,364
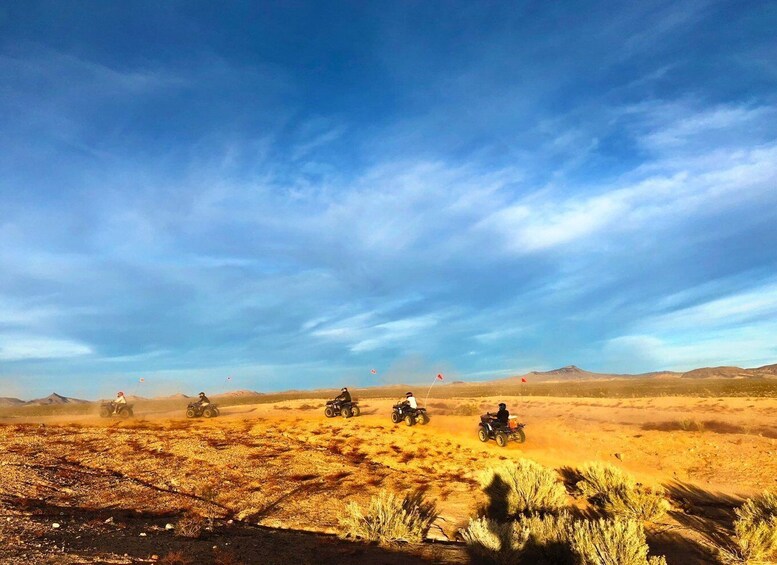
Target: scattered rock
55,525
109,520
169,527
142,534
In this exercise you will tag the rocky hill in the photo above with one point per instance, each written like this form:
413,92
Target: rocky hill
6,401
55,398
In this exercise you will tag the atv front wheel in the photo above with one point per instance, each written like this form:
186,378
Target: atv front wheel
501,439
208,413
355,411
329,412
395,417
409,420
482,434
345,412
423,418
105,412
190,413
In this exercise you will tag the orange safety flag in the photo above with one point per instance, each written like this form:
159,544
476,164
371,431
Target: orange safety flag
373,371
439,376
523,379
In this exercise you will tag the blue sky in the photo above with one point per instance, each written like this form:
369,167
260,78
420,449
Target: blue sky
293,193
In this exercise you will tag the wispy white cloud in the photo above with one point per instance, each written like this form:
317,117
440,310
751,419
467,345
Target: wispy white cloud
14,347
743,307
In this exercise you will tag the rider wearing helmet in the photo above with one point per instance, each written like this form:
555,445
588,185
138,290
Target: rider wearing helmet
503,416
203,400
411,401
344,395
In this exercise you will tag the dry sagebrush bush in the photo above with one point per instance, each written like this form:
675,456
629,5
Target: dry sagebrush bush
618,494
390,518
756,531
522,487
547,538
491,541
611,542
530,539
190,526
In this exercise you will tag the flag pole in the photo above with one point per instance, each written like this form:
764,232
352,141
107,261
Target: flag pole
437,378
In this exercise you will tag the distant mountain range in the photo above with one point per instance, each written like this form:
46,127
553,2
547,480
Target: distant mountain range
53,398
573,373
568,373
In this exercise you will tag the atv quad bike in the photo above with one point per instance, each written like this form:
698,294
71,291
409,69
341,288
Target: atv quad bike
402,411
339,408
110,409
491,428
195,410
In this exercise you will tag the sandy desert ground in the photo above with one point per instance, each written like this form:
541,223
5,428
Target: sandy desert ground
270,480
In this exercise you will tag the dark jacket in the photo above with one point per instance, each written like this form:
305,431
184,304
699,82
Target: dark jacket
344,397
203,400
503,415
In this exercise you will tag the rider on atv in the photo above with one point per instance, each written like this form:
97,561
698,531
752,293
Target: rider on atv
411,401
203,400
344,396
118,401
503,416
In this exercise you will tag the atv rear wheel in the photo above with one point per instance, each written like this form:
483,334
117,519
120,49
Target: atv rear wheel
355,411
396,417
345,412
501,439
190,413
409,420
124,413
423,418
520,437
482,434
208,413
329,412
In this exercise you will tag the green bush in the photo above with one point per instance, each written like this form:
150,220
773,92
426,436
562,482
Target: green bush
618,494
611,542
490,541
390,518
522,487
756,529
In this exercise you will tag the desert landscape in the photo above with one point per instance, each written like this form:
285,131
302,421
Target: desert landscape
271,479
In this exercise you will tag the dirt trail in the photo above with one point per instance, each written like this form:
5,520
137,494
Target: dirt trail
285,465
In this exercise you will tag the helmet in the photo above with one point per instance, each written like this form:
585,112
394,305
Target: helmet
344,389
202,394
409,394
119,393
502,405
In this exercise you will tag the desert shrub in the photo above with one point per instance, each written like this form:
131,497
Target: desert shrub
618,494
225,557
522,487
490,541
547,538
390,518
756,530
469,409
611,542
176,558
190,526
